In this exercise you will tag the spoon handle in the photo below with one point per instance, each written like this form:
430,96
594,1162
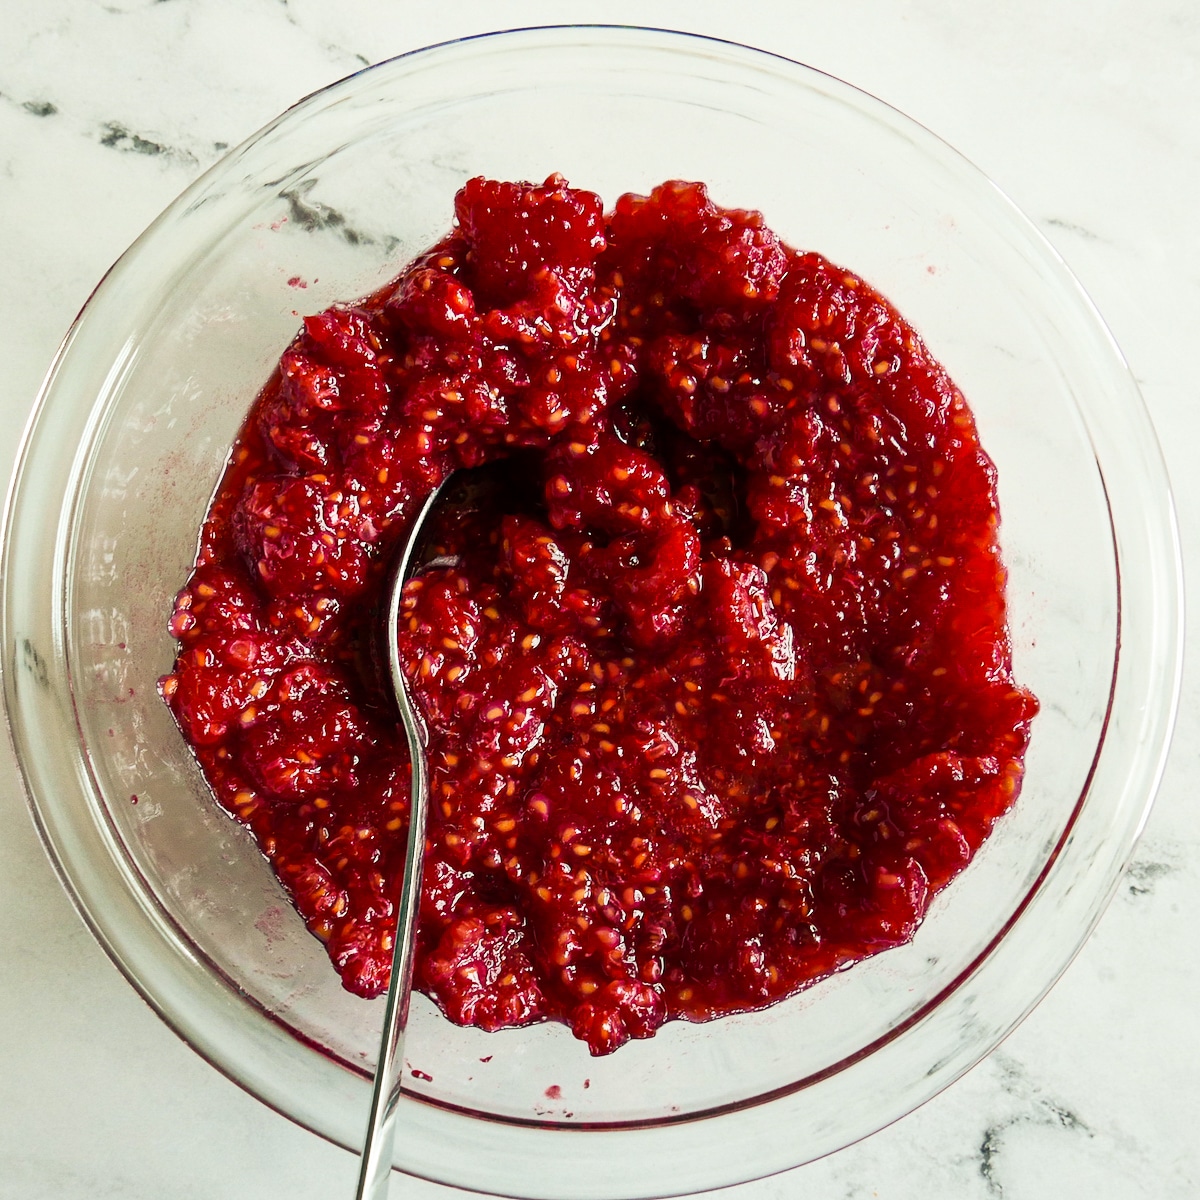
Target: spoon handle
375,1166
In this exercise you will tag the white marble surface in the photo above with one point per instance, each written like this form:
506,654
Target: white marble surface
1088,115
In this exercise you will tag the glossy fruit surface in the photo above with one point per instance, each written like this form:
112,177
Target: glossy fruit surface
719,693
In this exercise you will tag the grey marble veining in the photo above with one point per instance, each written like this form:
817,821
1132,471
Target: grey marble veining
1085,114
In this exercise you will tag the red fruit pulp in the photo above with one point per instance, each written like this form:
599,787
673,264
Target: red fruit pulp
719,693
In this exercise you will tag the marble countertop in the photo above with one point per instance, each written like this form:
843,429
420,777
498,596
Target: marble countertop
1088,116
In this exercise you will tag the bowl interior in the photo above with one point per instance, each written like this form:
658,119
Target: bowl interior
327,204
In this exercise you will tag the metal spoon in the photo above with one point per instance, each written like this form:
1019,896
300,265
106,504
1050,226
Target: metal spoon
375,1167
476,487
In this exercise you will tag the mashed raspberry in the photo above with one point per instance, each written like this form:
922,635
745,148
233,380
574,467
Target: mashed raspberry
719,691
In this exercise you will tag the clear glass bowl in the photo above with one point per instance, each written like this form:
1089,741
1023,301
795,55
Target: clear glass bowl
130,436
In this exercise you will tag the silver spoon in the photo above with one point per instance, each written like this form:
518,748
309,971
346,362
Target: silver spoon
472,487
375,1167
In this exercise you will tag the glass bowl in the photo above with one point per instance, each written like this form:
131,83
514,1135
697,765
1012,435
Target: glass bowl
129,438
